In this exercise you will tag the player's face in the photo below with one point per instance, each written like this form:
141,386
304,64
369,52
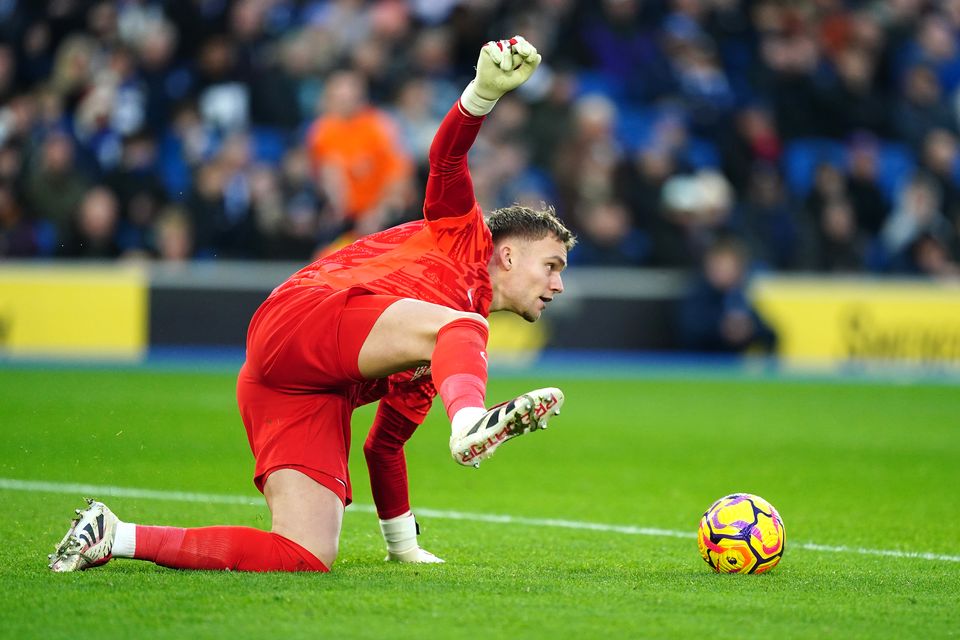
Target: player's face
530,278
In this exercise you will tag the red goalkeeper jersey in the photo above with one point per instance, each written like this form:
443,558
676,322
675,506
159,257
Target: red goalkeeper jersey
441,259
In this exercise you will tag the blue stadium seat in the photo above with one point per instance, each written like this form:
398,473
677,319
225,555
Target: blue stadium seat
702,154
634,126
591,82
897,164
269,144
45,234
802,156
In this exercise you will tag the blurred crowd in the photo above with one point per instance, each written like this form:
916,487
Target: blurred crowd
814,135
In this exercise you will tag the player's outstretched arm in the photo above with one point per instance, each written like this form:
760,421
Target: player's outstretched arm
503,66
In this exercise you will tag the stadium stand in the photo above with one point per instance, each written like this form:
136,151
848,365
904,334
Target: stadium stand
204,109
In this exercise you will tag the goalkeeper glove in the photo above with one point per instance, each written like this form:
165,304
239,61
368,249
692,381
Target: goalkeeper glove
503,66
400,534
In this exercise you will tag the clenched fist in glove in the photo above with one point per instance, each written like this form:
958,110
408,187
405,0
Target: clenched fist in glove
503,66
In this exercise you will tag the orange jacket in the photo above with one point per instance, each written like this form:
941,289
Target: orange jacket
365,149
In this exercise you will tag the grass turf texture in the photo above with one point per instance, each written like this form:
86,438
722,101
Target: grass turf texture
854,464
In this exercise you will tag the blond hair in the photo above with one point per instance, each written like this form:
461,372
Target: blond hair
529,224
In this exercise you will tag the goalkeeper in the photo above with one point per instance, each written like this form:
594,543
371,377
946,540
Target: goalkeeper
399,317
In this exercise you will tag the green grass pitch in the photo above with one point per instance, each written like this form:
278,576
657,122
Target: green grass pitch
871,467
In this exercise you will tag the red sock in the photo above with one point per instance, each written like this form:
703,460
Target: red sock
233,548
459,364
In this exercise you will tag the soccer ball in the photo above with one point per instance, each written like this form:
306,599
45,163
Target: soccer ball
741,533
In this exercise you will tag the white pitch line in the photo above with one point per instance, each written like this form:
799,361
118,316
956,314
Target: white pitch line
11,484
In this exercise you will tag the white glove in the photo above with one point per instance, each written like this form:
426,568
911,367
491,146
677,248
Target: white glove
414,555
503,66
400,534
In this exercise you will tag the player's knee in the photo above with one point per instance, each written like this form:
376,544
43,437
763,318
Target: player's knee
321,546
325,551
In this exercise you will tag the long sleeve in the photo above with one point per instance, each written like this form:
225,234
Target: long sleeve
386,463
449,190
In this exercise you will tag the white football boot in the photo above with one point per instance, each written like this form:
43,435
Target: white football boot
400,534
523,414
88,542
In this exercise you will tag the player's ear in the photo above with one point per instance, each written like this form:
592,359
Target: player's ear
505,256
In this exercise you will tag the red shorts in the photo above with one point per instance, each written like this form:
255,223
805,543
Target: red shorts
298,387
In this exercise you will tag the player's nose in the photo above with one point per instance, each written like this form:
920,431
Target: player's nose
557,284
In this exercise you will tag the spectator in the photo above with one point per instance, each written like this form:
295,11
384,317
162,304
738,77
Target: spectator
8,72
166,81
223,94
787,66
935,44
769,223
551,118
585,160
53,187
618,46
507,178
17,237
94,229
716,314
639,183
829,183
73,68
742,81
941,160
358,157
702,85
852,102
920,108
862,183
932,256
300,72
841,246
697,210
173,235
185,145
417,120
608,239
917,213
36,55
274,77
752,139
138,189
221,204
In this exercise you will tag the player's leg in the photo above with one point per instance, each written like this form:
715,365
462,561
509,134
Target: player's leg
96,536
409,332
305,512
299,441
405,333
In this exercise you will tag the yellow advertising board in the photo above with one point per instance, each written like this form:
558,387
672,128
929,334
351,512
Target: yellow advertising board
513,340
73,312
829,321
